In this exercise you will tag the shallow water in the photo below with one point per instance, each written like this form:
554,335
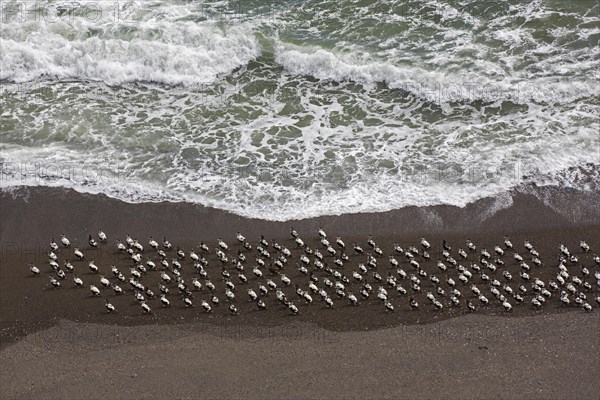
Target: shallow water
292,109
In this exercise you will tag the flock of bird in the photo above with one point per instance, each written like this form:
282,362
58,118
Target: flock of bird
408,278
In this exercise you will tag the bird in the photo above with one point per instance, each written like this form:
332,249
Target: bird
165,302
109,307
95,291
240,238
322,233
261,305
413,304
53,245
78,254
121,246
34,270
145,308
584,246
65,241
92,242
105,282
54,282
292,307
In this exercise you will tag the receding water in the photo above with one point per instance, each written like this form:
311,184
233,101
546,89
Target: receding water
292,109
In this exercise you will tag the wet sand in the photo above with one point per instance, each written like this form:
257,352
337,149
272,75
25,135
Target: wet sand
343,352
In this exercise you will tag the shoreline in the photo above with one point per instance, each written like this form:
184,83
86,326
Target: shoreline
378,354
63,210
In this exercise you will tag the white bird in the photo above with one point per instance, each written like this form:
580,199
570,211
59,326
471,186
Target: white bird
105,282
425,243
153,243
292,308
413,304
222,244
53,245
78,254
584,246
109,307
121,246
34,270
93,267
65,241
165,302
54,282
95,291
187,301
146,309
68,266
329,302
92,242
471,246
240,238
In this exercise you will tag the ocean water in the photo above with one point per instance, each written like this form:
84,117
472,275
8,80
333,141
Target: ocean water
293,109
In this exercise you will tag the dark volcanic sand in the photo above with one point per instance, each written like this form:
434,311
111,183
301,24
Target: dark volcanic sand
225,356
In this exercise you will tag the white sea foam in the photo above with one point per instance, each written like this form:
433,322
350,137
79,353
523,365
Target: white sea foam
436,87
357,121
157,49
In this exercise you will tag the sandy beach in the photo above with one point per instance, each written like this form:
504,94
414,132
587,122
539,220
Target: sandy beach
61,343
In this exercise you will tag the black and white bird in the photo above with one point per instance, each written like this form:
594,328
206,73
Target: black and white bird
222,244
65,241
153,243
54,282
95,291
584,246
34,270
105,282
146,308
78,254
109,307
92,242
93,267
77,280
